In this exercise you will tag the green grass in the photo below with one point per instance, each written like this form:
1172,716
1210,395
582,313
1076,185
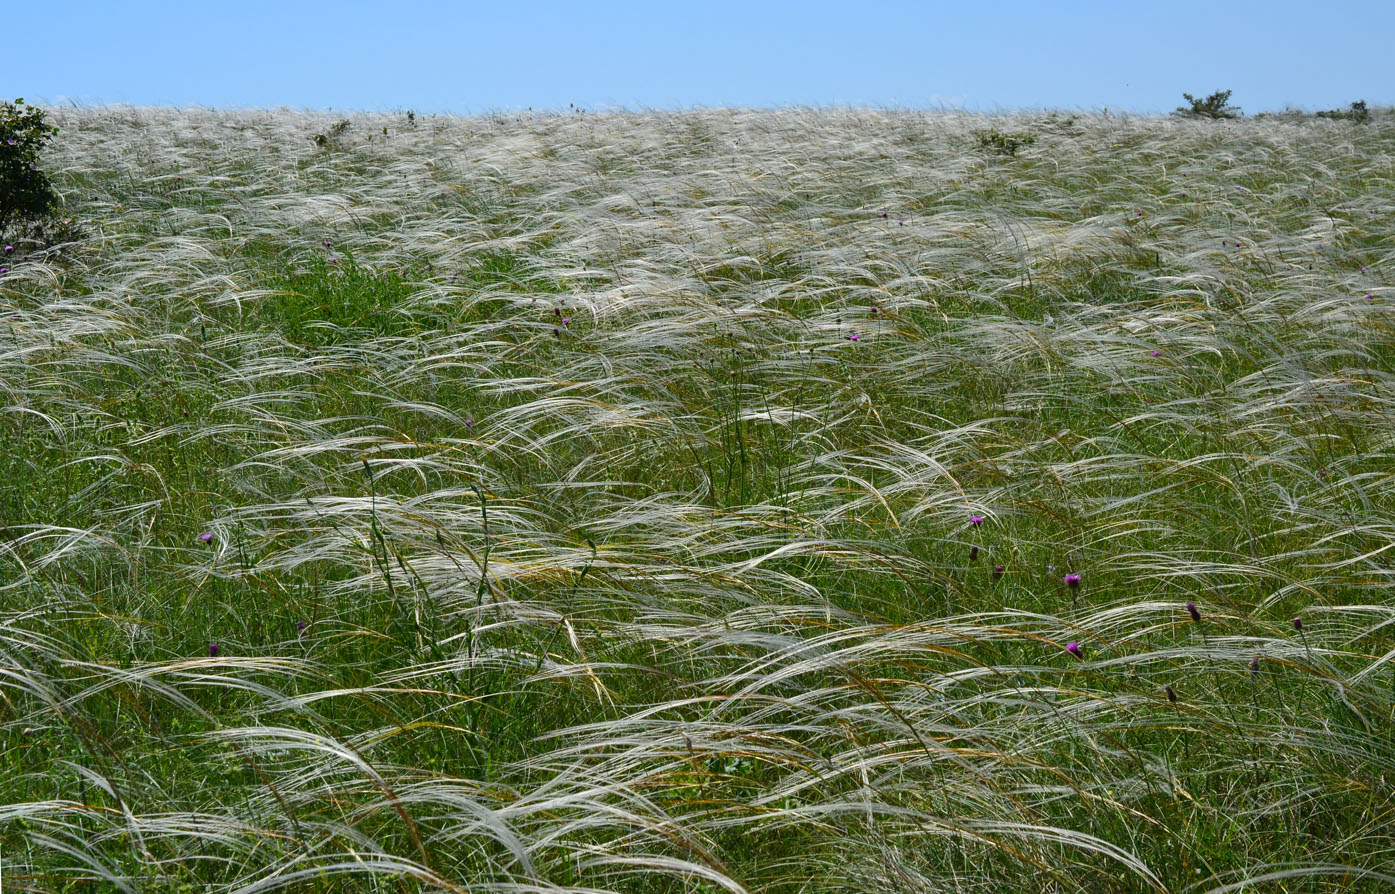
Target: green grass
564,537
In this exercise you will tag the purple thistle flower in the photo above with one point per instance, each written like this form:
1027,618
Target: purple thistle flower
883,214
853,337
1140,214
300,626
973,553
4,269
206,536
566,321
997,571
1157,354
332,261
212,650
1191,610
975,520
901,222
10,248
1184,195
327,243
1298,624
1171,693
469,421
1073,581
1073,648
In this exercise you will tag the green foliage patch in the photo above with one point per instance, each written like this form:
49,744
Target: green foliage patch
1004,143
1215,106
28,201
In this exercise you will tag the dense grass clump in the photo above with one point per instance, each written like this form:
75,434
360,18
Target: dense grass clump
710,501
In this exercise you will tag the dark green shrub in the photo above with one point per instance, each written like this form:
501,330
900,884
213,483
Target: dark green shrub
1217,105
1003,143
332,138
27,198
1356,112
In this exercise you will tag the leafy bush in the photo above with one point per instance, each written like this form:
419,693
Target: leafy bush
26,195
1003,143
1356,112
333,138
1217,105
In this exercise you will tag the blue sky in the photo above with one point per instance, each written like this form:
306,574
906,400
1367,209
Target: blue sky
475,57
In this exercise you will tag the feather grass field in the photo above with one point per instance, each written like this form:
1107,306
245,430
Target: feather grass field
721,500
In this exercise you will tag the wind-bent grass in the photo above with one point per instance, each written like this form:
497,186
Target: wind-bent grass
588,501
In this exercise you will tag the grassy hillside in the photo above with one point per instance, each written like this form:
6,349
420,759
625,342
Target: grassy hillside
842,500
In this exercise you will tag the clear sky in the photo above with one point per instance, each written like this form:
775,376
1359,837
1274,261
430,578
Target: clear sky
469,57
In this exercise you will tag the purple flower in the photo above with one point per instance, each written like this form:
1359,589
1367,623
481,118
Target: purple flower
997,571
1184,195
1073,648
10,248
973,553
332,261
469,421
975,520
883,214
327,243
1191,610
300,626
853,337
1073,581
1298,624
212,650
1157,354
566,321
4,269
1140,214
901,222
206,536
